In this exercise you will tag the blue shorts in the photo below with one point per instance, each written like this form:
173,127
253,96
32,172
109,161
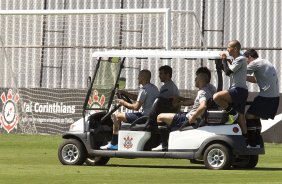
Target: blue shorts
264,107
131,117
239,98
179,119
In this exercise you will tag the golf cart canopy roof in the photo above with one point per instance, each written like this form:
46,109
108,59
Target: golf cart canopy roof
159,54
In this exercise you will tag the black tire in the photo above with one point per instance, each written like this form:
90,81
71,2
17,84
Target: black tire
96,161
71,152
247,162
218,156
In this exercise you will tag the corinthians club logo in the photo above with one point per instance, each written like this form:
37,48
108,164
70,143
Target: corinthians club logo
95,101
127,142
9,118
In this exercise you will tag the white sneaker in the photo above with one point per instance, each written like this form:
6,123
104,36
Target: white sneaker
109,147
249,146
158,148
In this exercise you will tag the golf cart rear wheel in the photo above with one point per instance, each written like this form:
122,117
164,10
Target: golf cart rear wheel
247,162
71,152
97,161
218,156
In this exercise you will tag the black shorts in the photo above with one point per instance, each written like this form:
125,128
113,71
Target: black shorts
131,117
264,107
239,98
179,119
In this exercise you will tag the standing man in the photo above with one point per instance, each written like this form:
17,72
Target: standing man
145,99
234,99
265,105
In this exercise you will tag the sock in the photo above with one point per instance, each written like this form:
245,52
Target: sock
251,132
258,131
164,132
230,110
114,139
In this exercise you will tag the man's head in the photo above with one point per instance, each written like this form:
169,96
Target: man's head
251,54
204,70
165,73
144,77
234,48
203,77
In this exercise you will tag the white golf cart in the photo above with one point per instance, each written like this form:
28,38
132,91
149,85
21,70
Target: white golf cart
212,142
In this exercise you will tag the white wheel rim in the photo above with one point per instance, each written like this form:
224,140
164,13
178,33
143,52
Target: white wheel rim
70,153
216,158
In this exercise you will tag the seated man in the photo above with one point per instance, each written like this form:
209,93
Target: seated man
168,90
206,91
145,99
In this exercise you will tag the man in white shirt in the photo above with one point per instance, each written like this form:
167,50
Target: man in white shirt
265,105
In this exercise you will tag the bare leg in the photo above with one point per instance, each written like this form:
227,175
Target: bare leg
164,132
165,117
117,119
222,98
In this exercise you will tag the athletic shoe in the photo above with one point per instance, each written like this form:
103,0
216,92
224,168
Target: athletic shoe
159,148
109,147
232,118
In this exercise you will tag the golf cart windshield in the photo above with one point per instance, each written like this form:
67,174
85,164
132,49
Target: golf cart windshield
103,85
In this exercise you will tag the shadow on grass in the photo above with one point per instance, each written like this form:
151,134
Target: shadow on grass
156,166
188,167
264,169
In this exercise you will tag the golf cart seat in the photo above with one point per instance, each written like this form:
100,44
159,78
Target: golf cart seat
146,123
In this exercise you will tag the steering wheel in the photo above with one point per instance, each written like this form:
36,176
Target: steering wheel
124,97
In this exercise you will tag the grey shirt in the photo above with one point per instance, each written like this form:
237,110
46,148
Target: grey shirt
239,69
147,95
203,94
266,76
169,89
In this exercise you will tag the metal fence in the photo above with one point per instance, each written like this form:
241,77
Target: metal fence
255,23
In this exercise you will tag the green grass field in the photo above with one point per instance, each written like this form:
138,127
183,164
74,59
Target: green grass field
33,159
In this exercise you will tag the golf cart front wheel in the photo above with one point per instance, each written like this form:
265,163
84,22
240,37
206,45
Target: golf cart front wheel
218,156
71,152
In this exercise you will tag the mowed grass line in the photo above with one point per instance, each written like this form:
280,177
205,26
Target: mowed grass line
33,159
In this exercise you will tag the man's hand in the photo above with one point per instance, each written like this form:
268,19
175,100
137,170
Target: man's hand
121,102
192,120
223,56
120,92
175,101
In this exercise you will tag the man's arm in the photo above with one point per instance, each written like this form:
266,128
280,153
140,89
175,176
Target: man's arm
182,101
251,79
134,106
129,95
201,109
226,68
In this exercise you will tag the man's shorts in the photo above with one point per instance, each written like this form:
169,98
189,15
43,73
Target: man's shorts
264,107
131,117
179,119
239,98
